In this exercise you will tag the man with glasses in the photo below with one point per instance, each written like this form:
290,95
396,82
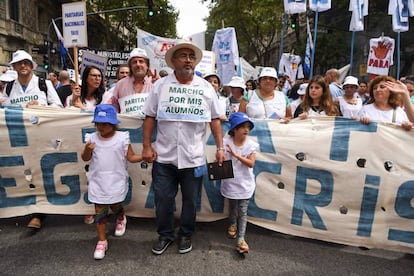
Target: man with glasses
183,104
25,90
130,93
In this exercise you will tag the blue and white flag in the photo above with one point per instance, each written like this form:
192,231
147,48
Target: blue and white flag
63,50
309,49
400,11
359,9
226,51
295,6
320,5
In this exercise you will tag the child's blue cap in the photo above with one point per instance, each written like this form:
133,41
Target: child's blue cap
105,113
239,118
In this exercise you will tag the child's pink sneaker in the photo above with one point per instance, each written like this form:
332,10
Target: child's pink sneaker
100,250
120,227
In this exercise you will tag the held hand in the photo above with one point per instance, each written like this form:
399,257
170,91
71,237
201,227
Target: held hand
149,154
303,116
32,103
407,126
365,120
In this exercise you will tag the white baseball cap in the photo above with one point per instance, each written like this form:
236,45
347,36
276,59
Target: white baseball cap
302,89
8,76
237,82
268,72
350,80
183,44
137,52
20,55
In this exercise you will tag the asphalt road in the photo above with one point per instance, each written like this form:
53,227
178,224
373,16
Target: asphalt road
65,246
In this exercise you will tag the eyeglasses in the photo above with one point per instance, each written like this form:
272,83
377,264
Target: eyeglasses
96,76
183,56
24,62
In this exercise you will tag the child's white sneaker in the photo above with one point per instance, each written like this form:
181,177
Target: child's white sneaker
100,250
120,227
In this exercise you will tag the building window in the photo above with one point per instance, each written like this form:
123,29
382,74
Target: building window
14,10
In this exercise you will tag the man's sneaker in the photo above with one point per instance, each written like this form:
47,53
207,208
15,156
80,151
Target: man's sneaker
185,245
120,227
161,245
232,231
242,246
100,250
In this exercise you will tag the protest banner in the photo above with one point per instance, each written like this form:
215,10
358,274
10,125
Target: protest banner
327,178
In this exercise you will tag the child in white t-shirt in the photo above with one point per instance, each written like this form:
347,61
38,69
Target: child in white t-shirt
242,151
108,151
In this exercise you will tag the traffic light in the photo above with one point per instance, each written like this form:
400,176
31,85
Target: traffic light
294,21
46,61
150,8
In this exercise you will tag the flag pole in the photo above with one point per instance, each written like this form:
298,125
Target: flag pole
284,21
314,42
352,52
398,54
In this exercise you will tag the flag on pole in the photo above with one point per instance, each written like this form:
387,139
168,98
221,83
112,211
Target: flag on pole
359,9
293,7
320,5
400,11
309,49
63,50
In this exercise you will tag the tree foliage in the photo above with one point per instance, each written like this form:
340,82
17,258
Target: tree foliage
118,29
257,24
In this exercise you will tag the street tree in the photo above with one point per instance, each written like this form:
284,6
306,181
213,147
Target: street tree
118,29
257,24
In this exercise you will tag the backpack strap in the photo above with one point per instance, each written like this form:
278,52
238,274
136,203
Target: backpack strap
9,86
42,86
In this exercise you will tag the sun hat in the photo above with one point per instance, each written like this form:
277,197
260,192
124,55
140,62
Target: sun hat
237,82
137,52
9,75
210,74
105,113
350,80
183,44
239,118
20,55
302,89
268,72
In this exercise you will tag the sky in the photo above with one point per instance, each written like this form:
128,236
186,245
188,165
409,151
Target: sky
190,20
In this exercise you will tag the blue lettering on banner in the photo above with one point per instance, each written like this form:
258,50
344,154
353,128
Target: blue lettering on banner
341,135
15,126
12,161
307,203
254,210
213,192
48,162
404,209
368,204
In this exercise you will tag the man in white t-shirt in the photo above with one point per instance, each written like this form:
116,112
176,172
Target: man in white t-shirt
182,104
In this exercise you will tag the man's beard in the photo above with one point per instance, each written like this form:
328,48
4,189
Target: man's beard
185,73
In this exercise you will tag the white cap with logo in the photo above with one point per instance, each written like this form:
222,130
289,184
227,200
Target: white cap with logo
20,55
137,52
268,72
